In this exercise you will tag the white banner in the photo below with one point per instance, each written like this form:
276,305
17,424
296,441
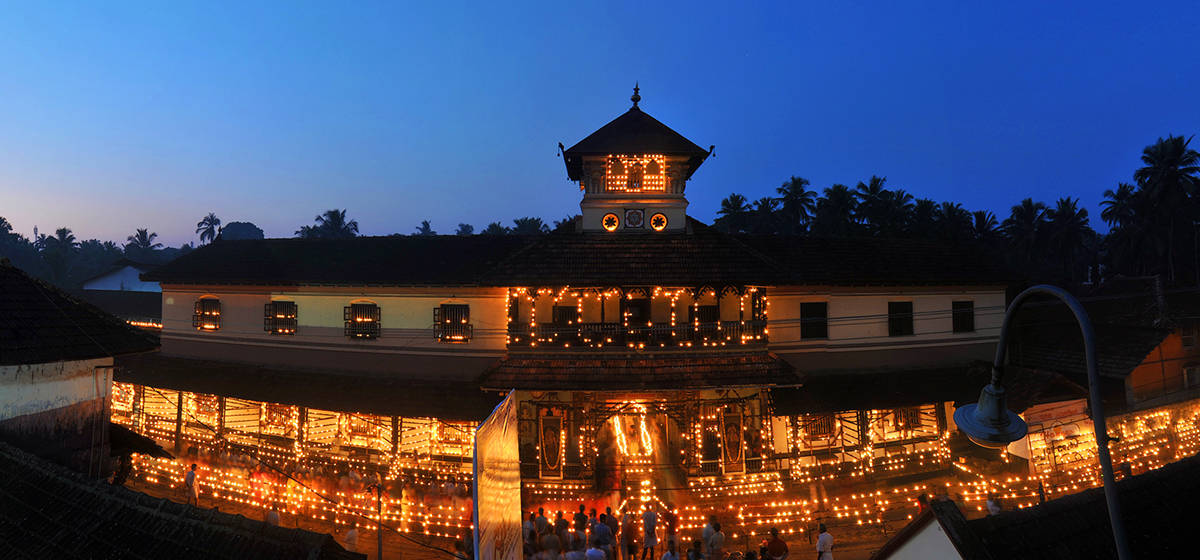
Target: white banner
498,484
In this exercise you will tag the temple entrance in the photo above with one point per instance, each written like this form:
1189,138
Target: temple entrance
638,456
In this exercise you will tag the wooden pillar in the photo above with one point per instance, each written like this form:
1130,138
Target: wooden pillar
178,421
220,416
395,436
303,414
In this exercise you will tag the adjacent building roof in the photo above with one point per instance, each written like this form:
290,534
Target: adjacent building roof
701,256
326,390
1158,508
639,372
122,263
52,512
634,132
126,304
39,323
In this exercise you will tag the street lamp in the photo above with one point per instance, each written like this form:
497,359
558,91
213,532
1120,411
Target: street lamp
991,424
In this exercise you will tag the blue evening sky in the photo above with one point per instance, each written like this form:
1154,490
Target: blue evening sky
117,116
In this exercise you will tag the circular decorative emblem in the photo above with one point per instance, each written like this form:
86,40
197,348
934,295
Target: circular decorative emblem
658,222
610,222
633,218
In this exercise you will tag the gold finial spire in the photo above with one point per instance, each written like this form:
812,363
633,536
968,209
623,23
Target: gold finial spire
635,97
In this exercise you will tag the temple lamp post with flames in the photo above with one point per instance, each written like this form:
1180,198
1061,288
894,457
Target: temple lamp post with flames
990,423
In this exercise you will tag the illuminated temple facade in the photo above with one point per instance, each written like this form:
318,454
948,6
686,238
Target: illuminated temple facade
650,353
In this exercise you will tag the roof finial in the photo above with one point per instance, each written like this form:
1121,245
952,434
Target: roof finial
635,97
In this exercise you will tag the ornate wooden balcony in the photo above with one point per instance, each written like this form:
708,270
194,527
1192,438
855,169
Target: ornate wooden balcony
599,336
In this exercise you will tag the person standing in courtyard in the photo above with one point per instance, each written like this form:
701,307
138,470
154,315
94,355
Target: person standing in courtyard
776,548
824,544
649,528
191,487
716,543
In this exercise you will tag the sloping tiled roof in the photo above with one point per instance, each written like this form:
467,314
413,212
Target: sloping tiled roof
126,304
701,256
333,391
865,261
1127,328
705,256
639,372
893,388
1158,508
39,323
359,261
634,132
51,512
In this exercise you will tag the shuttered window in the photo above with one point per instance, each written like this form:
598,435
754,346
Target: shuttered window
363,320
279,317
964,316
452,322
206,314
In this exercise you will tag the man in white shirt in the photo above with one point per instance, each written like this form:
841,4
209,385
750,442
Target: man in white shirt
716,543
190,486
707,534
824,544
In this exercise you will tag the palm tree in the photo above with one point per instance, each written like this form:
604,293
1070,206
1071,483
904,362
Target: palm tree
764,218
1119,205
330,225
465,229
142,241
208,228
797,204
494,228
57,251
895,213
733,215
425,230
835,212
954,222
566,224
923,221
1068,229
529,226
1025,228
986,227
870,195
1170,179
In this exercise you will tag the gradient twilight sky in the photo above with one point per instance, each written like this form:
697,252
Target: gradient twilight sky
121,116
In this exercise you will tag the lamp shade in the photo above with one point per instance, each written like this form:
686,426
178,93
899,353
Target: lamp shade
989,422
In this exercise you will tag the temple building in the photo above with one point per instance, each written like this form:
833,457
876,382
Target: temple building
654,358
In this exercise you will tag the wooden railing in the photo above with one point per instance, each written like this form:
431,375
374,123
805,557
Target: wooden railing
655,335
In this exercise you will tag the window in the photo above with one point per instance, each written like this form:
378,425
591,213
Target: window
452,322
362,320
1188,334
565,315
1191,376
900,318
637,311
279,317
907,418
704,314
814,320
820,426
206,314
964,316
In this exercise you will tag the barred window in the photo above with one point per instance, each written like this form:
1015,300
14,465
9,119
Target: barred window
279,317
964,316
452,322
907,418
820,426
814,320
206,314
900,318
362,320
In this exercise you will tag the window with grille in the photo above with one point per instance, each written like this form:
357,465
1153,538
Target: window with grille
206,314
814,320
362,320
907,418
820,426
964,316
279,317
900,318
452,322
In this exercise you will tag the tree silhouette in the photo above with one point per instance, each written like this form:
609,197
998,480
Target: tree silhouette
835,212
425,230
1068,229
494,228
208,228
1171,183
529,226
330,225
733,215
796,204
465,229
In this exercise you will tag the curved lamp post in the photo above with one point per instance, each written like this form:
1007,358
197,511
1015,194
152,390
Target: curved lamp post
991,424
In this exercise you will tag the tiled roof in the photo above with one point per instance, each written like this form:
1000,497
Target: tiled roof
51,512
704,256
1158,508
39,323
701,256
1127,328
895,388
639,372
126,304
877,261
634,132
333,391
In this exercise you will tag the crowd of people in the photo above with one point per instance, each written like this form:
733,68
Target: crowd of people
641,535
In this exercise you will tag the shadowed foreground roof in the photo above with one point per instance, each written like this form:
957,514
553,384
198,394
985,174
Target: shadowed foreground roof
333,391
639,372
52,512
1159,508
39,323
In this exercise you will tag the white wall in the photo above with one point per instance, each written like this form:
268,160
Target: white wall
126,278
931,542
33,388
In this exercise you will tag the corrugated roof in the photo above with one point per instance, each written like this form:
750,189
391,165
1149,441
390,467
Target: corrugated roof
52,512
39,323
